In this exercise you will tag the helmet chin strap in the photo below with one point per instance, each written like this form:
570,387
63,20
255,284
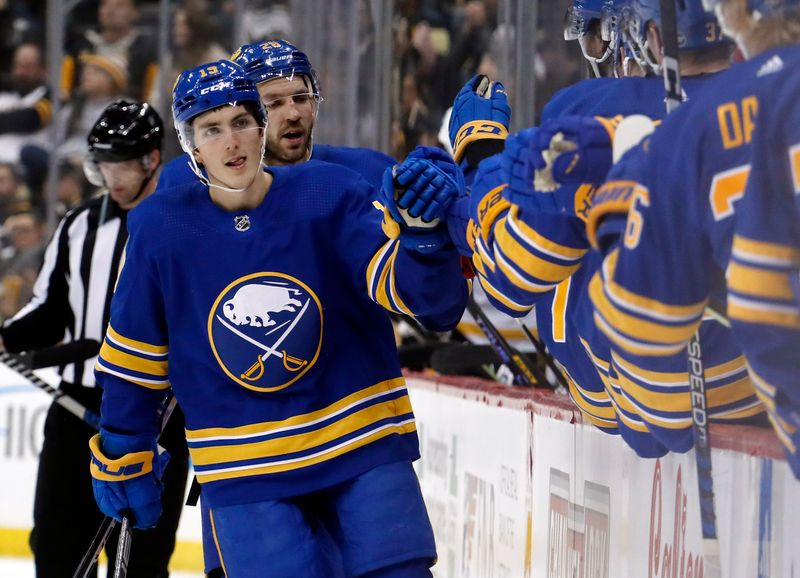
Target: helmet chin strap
146,180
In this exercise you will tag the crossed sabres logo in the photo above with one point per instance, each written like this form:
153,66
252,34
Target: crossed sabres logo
266,330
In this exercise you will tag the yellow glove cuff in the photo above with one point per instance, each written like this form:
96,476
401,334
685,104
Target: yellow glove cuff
476,130
127,467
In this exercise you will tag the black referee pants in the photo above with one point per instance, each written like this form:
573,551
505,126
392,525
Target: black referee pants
65,515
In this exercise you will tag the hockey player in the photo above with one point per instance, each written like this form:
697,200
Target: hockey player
290,91
522,254
765,254
72,301
664,221
305,453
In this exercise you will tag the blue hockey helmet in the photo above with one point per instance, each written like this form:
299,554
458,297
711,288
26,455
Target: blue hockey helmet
210,86
697,29
273,59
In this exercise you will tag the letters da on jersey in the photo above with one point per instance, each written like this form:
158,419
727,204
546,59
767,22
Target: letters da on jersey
266,330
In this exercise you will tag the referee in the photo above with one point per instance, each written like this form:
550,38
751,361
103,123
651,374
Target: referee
71,301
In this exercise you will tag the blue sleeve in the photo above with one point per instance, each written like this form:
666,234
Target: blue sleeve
430,288
764,267
132,365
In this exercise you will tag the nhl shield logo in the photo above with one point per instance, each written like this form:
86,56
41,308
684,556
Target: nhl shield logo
266,330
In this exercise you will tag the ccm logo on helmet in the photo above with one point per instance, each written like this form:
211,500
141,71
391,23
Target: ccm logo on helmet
217,87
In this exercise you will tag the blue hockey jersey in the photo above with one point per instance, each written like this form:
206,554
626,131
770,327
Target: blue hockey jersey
666,219
529,258
266,325
765,256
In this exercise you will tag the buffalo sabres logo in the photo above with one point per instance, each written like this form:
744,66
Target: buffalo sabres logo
266,330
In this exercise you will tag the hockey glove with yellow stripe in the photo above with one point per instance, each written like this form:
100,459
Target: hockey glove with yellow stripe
416,195
126,476
479,120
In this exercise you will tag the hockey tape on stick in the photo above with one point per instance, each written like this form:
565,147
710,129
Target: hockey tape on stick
523,373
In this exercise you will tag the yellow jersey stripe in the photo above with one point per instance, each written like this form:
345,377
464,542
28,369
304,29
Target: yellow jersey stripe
133,362
762,252
751,311
372,268
395,294
657,310
558,311
490,207
759,282
517,279
666,379
299,421
491,290
680,402
637,329
149,384
527,261
297,463
631,346
381,296
135,346
222,454
539,242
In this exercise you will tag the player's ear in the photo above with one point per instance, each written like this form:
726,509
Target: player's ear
197,156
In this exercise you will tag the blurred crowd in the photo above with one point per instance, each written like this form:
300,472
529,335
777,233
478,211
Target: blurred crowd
111,49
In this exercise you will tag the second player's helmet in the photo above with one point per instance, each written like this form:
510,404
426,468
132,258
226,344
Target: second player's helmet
126,130
208,87
697,28
275,59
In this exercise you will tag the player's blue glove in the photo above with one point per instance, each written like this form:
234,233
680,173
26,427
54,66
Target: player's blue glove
416,195
126,476
479,120
573,150
517,170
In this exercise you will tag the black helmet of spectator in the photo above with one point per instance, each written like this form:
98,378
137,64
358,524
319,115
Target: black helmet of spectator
126,130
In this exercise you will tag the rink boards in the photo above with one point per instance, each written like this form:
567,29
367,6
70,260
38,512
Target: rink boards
517,486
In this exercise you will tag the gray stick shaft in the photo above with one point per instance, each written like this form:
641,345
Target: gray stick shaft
123,549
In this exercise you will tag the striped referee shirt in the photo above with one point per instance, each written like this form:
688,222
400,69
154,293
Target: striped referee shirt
72,294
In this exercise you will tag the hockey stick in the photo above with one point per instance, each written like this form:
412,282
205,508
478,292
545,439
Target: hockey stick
93,553
70,353
123,549
108,524
523,373
697,381
548,358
